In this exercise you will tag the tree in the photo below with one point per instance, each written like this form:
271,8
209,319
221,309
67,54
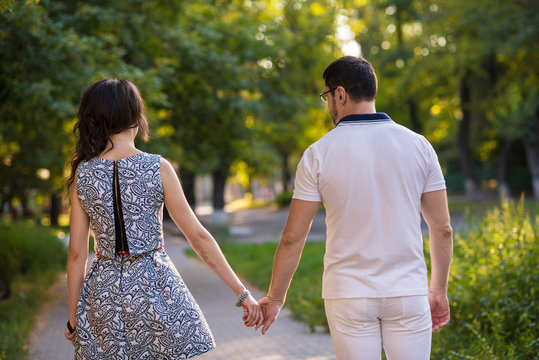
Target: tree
496,45
300,46
452,59
36,95
209,89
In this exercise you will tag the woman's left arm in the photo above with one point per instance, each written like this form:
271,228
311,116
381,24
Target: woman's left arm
203,242
77,256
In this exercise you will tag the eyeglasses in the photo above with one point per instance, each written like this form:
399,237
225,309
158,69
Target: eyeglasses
324,95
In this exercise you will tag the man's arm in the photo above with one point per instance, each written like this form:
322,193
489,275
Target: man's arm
287,256
436,214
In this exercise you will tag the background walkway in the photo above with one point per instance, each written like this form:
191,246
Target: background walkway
286,340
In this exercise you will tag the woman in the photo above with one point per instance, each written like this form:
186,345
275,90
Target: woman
132,304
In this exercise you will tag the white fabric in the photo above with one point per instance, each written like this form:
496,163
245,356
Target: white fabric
359,327
370,177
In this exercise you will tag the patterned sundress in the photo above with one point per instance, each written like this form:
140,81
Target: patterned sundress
133,303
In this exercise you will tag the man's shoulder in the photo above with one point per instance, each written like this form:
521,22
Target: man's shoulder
320,143
409,133
328,137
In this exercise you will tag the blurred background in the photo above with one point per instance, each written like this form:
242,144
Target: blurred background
231,90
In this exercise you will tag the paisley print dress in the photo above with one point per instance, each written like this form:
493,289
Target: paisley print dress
133,303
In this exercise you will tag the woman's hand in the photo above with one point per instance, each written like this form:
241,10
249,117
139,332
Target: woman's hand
252,312
70,335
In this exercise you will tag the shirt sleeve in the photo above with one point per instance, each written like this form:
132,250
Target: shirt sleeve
307,174
435,178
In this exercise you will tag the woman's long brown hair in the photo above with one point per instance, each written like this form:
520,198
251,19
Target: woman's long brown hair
107,107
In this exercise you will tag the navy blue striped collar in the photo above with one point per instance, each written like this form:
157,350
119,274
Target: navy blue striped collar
364,119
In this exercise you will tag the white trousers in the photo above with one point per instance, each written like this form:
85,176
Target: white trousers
360,326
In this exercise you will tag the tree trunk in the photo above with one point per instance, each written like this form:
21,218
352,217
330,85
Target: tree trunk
188,184
503,188
414,118
463,140
27,213
532,153
286,177
219,216
55,209
219,181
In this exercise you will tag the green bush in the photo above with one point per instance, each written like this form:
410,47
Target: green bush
283,199
28,248
492,286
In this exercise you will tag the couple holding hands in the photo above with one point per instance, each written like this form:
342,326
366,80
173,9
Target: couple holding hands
375,178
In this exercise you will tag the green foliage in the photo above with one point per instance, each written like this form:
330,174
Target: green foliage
297,50
305,296
229,81
283,199
32,255
17,314
494,277
424,52
28,249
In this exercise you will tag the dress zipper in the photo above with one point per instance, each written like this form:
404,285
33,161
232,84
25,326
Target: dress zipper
122,249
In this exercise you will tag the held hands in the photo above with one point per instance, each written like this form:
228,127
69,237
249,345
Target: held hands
439,309
262,313
252,312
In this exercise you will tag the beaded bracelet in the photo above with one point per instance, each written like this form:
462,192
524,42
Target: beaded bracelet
242,298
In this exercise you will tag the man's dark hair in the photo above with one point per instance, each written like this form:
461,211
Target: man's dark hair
355,74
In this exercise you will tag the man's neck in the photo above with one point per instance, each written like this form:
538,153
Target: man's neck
362,107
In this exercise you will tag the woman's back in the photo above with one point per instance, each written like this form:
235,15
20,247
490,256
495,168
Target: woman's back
133,303
126,214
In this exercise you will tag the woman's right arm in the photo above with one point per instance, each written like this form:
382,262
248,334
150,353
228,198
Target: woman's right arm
77,254
201,240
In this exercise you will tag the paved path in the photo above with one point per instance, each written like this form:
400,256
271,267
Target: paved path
266,224
286,340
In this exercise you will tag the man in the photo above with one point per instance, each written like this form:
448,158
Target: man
375,179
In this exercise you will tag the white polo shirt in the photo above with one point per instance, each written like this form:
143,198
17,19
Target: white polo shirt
370,174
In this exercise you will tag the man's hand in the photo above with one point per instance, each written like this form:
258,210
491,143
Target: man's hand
439,309
271,309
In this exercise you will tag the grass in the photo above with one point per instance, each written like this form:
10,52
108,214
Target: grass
17,314
32,256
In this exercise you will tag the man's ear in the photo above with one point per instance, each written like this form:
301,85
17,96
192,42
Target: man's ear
340,94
